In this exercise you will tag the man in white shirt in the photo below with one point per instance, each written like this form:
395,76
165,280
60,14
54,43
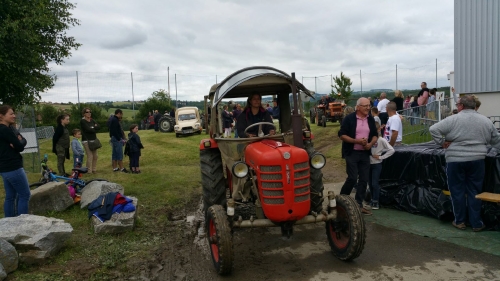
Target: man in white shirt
394,128
382,104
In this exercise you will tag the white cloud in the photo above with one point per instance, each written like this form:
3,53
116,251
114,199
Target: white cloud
200,40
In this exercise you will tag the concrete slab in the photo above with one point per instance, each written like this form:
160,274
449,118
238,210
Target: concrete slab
485,241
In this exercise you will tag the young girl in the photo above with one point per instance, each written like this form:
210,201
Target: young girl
135,149
60,143
376,158
227,121
77,148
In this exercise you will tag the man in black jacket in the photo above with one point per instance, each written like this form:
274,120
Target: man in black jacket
358,134
117,141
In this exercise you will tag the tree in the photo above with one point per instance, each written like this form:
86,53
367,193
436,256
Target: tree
160,100
32,35
342,86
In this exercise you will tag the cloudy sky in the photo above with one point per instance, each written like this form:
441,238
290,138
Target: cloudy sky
204,41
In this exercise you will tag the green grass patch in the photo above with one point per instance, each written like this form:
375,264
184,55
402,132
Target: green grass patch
170,179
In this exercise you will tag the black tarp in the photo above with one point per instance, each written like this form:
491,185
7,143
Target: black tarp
413,180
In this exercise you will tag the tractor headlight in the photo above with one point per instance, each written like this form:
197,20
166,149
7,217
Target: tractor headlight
176,127
318,161
196,126
240,169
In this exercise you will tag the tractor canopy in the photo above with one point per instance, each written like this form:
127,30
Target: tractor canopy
263,80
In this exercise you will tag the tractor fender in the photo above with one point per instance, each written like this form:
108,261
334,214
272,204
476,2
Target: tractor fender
203,144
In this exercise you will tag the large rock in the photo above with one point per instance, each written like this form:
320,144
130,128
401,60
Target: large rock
119,222
35,238
3,274
52,196
8,256
96,189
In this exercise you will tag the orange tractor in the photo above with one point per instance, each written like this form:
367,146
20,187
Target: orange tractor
269,180
320,114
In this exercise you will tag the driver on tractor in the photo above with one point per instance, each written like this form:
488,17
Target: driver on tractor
254,113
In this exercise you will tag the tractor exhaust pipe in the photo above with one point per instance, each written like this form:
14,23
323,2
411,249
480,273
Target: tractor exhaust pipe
267,223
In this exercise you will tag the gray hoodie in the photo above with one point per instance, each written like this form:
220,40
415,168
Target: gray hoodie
469,132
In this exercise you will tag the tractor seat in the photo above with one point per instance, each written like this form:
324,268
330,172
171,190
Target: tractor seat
82,170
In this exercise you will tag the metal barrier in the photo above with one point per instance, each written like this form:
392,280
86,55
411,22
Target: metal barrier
417,120
496,121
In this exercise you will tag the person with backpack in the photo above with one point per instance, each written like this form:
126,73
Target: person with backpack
133,149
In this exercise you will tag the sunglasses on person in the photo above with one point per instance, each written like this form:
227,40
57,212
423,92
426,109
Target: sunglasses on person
88,111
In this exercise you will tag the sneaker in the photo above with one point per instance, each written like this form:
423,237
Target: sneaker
124,170
366,205
479,229
116,170
375,206
366,212
462,226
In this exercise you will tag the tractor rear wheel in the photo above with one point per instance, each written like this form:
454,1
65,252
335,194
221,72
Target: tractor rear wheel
316,182
212,178
347,233
220,239
166,124
312,116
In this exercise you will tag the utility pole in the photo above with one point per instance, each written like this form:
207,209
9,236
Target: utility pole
133,103
168,79
175,82
77,89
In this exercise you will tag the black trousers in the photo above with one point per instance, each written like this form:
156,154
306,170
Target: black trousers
357,166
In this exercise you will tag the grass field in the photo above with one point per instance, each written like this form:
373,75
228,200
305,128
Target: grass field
170,179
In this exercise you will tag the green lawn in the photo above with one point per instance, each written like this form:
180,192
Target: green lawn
170,177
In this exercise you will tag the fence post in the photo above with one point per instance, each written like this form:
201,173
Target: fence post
439,110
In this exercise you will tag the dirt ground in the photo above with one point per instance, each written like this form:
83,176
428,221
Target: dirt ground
187,256
263,254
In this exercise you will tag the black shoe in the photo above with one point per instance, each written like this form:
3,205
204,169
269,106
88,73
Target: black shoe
124,170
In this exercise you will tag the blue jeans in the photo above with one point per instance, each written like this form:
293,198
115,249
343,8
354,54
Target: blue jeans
375,171
466,178
357,164
117,152
17,192
235,130
80,160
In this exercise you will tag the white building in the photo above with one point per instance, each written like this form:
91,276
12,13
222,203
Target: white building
477,52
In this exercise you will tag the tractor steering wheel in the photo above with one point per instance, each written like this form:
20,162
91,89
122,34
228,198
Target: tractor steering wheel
260,126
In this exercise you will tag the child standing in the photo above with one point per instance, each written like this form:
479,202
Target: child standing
376,159
134,152
77,147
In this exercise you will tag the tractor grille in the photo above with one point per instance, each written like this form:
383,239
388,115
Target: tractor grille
301,198
274,201
301,190
301,182
266,184
271,181
268,169
301,174
300,166
271,176
273,192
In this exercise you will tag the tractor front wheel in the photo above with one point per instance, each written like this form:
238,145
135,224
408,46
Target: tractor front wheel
212,178
347,233
323,121
315,181
219,239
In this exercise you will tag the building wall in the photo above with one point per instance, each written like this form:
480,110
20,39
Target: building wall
477,47
490,103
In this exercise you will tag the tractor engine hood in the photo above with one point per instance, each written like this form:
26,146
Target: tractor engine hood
282,177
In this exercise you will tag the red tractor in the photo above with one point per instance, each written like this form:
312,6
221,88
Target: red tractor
270,180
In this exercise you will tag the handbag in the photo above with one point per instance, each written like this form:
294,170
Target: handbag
94,144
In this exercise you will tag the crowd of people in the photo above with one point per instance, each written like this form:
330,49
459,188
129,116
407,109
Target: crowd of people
463,135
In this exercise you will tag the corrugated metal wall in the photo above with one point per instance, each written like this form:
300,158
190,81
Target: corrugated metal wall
477,46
